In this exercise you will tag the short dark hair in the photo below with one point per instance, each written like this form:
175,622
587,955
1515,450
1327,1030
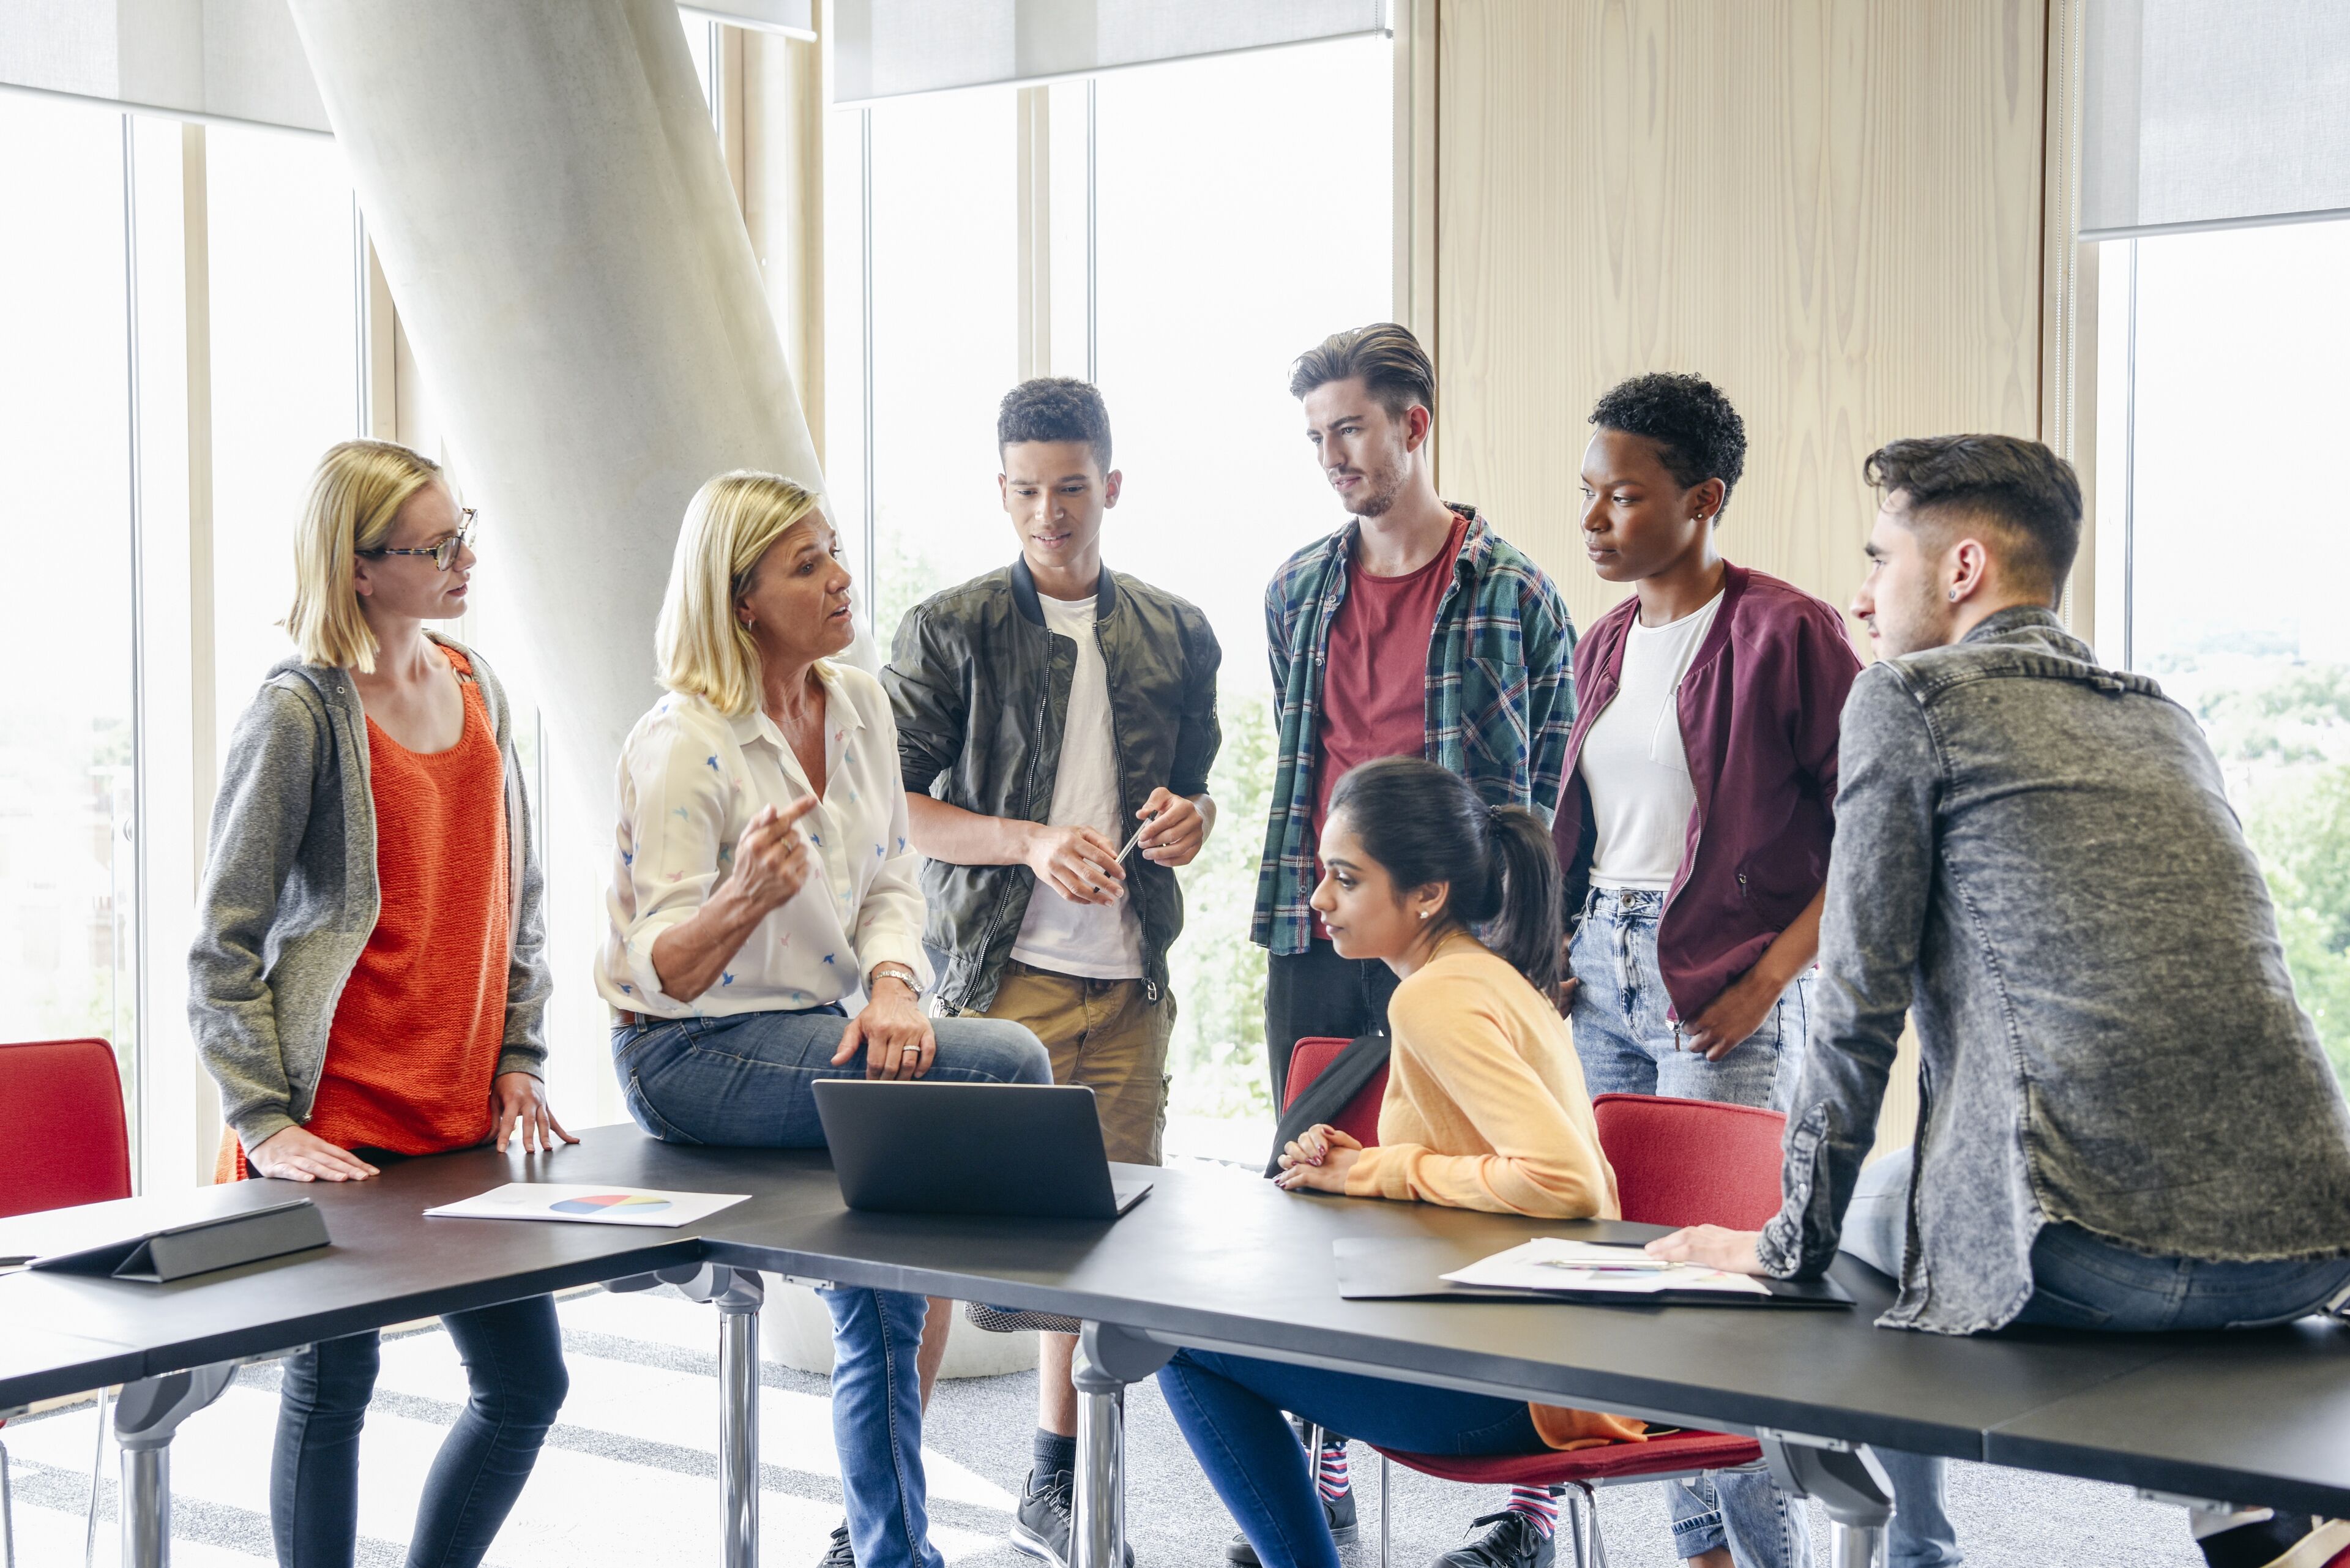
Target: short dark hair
1698,434
1055,407
2029,492
1424,822
1394,368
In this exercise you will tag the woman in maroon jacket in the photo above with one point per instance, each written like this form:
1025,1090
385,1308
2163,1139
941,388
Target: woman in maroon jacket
1695,823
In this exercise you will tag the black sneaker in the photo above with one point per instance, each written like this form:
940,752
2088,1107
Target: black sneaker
1040,1525
1514,1541
840,1554
1337,1511
2286,1541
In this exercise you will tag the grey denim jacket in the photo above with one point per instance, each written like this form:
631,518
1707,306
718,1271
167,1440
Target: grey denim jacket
2035,858
290,896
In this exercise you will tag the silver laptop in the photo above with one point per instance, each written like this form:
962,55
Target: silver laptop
1023,1150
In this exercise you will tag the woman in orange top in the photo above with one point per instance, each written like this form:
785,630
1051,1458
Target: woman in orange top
1484,1109
368,979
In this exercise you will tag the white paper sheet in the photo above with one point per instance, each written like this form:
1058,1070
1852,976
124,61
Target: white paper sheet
1549,1263
577,1204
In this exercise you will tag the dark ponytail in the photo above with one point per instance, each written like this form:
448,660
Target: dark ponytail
1426,823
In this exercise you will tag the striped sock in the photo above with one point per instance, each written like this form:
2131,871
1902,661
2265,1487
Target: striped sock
1330,1472
1537,1503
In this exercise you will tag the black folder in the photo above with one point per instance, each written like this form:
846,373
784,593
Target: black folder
200,1246
1413,1268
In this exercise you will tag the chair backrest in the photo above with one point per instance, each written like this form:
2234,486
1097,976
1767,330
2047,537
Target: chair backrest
63,1139
1360,1119
1691,1162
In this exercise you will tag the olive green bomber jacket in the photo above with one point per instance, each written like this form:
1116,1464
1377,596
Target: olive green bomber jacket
981,688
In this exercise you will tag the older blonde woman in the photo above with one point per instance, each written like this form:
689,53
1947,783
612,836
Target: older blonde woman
763,878
368,979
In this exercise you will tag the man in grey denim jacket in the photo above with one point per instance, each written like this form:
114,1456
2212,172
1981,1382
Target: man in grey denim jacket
2036,860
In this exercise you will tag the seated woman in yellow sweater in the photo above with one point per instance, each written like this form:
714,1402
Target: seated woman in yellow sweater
1485,1109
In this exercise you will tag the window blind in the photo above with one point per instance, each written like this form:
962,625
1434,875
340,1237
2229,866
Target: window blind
2201,114
221,59
888,49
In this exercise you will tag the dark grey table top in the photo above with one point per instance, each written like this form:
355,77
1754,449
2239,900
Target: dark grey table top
1212,1258
386,1263
2257,1419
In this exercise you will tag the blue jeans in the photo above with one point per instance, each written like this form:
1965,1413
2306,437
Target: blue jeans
513,1360
743,1080
1229,1408
1628,1046
877,1426
2078,1281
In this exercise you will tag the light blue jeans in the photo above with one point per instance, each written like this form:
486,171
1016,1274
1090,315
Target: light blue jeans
1628,1046
2078,1281
743,1080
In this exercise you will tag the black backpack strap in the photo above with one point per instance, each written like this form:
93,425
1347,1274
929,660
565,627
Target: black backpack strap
1323,1099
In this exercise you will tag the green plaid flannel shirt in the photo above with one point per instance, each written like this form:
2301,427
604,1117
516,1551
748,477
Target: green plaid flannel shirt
1500,698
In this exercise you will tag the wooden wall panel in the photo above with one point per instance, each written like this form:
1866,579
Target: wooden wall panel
1831,208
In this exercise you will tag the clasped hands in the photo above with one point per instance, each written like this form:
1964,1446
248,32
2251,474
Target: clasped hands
1317,1160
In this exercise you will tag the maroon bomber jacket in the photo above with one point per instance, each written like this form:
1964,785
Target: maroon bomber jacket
1759,711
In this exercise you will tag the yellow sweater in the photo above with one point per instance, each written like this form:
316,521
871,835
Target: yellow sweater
1485,1108
1485,1105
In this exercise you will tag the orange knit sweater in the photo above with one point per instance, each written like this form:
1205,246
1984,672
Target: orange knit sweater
421,1021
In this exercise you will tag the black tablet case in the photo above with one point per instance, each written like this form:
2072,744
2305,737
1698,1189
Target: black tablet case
200,1246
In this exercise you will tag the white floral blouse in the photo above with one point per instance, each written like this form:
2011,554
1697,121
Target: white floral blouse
690,781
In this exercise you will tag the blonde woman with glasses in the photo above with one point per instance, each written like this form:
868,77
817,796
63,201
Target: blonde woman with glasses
763,879
368,980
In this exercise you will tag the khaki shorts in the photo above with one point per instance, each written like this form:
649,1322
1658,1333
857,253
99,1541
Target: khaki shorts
1107,1034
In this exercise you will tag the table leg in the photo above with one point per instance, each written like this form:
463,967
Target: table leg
1108,1358
1848,1481
146,1415
738,1294
738,1430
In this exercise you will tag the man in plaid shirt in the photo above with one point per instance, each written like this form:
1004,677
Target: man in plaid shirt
1416,630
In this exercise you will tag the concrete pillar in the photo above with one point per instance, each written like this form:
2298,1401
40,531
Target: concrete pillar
559,231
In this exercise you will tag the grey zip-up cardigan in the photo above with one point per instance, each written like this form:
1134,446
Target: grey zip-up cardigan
290,896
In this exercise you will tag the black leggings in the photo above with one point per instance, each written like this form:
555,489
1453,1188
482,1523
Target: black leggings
514,1360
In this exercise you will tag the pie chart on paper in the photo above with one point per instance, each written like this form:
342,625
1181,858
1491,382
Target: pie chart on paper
618,1205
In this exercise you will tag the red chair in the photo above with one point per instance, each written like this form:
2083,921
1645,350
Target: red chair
1360,1119
1677,1162
70,1091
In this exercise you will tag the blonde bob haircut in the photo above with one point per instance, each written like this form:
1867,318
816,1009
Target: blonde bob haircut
355,497
703,648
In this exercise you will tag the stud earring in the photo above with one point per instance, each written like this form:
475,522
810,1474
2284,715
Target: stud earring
1423,914
1954,595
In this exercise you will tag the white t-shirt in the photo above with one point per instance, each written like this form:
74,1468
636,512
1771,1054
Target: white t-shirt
1094,941
1633,763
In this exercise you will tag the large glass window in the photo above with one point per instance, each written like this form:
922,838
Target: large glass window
1223,253
1207,221
65,739
2221,548
284,376
944,341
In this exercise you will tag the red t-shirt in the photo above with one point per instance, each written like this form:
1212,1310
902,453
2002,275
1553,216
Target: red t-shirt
1375,682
